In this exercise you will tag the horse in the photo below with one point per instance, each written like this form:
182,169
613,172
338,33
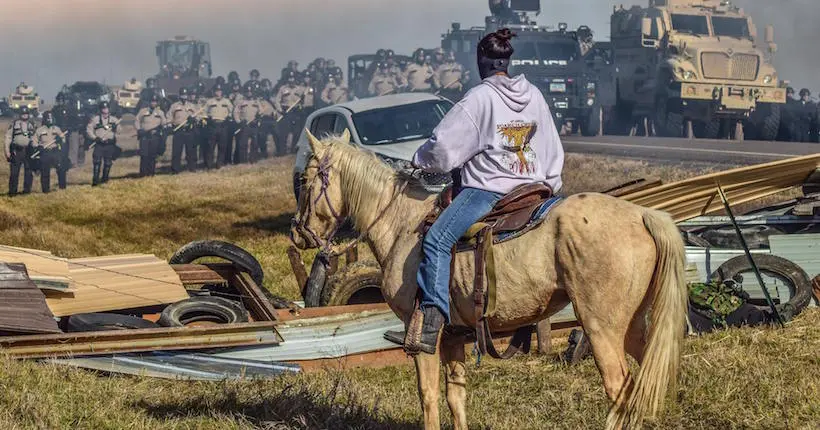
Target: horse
619,264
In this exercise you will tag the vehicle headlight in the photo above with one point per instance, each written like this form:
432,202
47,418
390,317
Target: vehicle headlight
767,79
127,104
29,105
590,102
688,75
16,106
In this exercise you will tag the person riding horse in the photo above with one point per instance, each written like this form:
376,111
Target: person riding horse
501,136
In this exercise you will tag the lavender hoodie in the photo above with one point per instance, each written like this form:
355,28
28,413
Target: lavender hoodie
501,134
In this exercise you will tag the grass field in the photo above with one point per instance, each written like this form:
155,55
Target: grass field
749,378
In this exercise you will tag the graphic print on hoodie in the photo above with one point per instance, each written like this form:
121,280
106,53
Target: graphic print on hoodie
501,134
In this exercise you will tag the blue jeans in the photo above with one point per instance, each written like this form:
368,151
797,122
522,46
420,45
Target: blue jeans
467,208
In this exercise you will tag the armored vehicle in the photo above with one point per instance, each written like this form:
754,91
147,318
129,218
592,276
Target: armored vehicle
360,71
695,68
182,62
573,71
24,95
127,97
82,99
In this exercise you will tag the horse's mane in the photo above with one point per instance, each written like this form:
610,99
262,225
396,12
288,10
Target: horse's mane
361,173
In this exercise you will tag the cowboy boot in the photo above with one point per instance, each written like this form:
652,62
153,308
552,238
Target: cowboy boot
105,173
579,347
423,331
95,180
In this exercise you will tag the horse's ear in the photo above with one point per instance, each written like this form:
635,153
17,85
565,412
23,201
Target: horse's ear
315,145
346,136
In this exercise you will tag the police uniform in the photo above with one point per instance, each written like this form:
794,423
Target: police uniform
287,103
335,93
419,77
448,79
50,140
383,83
18,142
218,112
150,128
102,133
182,116
247,114
266,127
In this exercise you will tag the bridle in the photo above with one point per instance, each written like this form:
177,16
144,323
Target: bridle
305,209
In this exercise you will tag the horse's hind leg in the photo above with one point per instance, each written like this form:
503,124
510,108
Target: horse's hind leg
455,374
427,374
610,357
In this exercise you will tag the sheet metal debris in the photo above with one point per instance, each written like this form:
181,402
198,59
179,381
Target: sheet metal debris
23,307
184,366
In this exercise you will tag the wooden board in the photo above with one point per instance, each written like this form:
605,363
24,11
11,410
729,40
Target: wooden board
22,305
699,196
117,282
46,270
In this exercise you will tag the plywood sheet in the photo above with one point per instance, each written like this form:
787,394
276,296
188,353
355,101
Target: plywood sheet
699,196
117,282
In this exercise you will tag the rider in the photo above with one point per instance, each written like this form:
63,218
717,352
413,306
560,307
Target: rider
501,135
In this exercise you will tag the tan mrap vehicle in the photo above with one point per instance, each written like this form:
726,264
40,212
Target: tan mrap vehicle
695,68
24,95
128,96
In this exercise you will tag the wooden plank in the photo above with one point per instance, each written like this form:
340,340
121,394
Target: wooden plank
252,297
141,340
118,282
40,265
197,274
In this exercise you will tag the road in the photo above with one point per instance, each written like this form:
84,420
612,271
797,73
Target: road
686,150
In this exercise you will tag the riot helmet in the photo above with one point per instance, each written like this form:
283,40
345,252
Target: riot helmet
233,76
48,118
254,74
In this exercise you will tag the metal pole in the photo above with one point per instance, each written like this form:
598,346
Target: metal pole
749,255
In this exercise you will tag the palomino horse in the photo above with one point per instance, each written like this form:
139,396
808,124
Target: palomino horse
621,266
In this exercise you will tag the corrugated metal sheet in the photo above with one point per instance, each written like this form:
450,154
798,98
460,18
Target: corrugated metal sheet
23,307
168,365
801,249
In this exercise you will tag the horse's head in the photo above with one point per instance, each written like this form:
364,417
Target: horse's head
321,206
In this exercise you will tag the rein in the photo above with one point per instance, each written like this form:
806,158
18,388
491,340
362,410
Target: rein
323,174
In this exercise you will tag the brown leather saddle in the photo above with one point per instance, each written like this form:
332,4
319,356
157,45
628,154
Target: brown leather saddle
513,215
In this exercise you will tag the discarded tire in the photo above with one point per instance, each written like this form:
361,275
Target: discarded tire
203,309
104,321
356,284
778,266
316,281
237,256
228,251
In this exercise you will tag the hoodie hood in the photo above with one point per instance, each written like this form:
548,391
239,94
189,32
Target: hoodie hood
515,92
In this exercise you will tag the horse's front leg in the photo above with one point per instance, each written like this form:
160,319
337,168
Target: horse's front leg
427,374
455,374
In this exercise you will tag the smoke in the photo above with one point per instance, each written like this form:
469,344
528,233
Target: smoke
48,43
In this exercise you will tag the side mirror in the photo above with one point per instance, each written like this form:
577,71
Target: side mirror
646,27
769,38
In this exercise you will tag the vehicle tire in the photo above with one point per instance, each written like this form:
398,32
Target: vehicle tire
709,129
766,122
237,256
196,309
316,281
356,284
215,248
800,283
667,123
105,321
756,237
592,122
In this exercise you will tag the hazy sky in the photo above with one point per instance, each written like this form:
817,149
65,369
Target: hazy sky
51,42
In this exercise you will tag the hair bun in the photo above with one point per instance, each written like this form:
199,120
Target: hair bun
505,34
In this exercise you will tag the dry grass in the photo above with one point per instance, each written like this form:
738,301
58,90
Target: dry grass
737,379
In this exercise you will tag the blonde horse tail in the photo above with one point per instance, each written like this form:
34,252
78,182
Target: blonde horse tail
644,397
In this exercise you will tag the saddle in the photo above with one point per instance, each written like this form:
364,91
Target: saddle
518,212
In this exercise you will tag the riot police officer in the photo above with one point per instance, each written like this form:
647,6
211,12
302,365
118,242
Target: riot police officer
102,133
448,78
151,135
182,117
254,75
18,147
268,121
419,74
287,103
49,140
247,115
218,111
383,82
233,76
335,91
804,117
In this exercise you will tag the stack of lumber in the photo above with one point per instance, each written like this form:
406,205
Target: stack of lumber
699,196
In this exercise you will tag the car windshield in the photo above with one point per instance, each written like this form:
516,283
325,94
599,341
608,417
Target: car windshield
400,123
91,89
557,51
731,27
693,24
